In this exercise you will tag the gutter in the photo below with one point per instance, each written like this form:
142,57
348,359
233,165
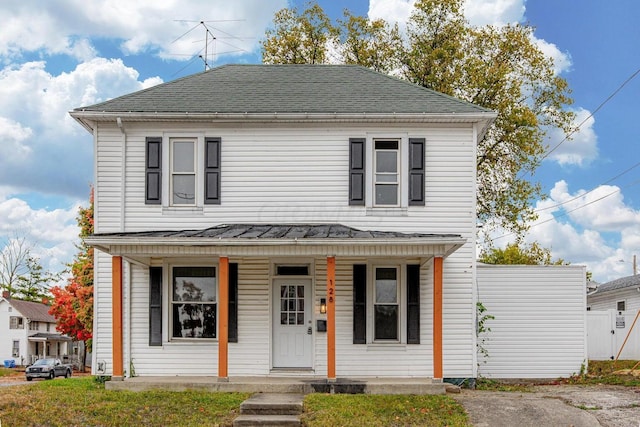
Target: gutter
85,117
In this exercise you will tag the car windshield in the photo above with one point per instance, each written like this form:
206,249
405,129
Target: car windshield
44,362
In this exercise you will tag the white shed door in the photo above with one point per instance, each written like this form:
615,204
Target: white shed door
292,328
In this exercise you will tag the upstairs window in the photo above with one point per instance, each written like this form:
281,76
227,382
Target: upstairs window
183,172
16,322
387,173
621,305
186,172
34,326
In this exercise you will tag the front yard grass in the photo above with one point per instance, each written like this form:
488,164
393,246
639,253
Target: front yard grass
382,410
85,402
610,373
8,372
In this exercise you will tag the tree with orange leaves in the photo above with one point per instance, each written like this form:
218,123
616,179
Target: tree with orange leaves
73,304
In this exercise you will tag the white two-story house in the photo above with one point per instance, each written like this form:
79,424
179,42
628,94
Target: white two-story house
253,220
28,332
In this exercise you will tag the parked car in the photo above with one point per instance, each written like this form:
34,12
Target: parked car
48,369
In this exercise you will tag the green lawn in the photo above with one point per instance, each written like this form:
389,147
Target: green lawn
7,372
382,410
82,401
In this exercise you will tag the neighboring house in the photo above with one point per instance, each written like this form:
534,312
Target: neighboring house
253,220
621,295
28,332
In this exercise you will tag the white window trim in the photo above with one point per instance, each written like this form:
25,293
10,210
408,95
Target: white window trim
403,184
167,197
624,301
167,302
402,303
15,353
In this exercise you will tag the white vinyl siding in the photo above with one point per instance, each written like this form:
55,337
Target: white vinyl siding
608,300
539,330
295,174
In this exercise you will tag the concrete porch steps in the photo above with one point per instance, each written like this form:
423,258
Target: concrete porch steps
270,409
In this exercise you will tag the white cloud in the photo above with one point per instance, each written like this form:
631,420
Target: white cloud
561,60
596,229
478,12
54,152
13,136
582,146
51,233
393,11
494,12
64,26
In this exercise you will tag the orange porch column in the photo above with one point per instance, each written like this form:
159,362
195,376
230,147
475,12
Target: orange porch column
331,318
116,312
223,319
437,318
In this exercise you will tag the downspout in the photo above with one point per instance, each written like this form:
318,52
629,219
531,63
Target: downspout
127,320
124,173
475,294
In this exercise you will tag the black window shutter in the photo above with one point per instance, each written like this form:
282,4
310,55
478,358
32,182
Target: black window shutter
356,171
153,171
413,304
416,171
359,304
155,306
233,302
212,171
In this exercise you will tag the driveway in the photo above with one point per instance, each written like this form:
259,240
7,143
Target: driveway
553,406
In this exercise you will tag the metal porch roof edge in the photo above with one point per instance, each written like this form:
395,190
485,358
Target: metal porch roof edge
271,235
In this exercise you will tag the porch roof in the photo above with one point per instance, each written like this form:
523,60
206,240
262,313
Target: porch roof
277,239
43,336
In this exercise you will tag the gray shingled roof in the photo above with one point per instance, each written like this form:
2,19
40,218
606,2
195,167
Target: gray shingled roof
49,337
622,283
278,231
35,311
342,89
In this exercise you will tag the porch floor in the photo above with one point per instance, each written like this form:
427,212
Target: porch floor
281,384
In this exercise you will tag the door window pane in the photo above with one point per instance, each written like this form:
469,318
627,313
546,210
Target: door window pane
386,322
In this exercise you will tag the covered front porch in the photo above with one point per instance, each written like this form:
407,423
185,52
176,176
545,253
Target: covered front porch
266,261
44,344
275,384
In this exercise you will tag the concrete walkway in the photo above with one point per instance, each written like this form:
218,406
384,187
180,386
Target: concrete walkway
554,405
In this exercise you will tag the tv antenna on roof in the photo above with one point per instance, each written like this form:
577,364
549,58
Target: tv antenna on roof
210,37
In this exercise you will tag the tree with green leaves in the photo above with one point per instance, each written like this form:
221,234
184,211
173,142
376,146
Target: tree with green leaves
522,254
499,68
35,283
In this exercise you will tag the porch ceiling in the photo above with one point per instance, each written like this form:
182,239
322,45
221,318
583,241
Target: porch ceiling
276,240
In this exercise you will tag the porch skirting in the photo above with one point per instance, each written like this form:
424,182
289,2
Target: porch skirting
303,385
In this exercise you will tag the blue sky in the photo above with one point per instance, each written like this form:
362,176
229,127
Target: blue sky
58,55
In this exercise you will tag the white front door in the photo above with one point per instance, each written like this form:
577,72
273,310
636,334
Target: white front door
292,323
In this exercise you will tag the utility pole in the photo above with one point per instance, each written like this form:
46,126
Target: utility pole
635,270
